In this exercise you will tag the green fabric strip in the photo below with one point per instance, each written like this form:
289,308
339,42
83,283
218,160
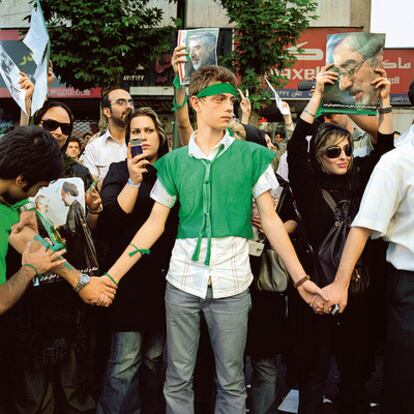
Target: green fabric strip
205,229
111,278
57,241
217,89
176,82
177,106
137,250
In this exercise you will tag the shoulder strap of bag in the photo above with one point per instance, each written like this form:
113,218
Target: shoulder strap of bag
329,199
281,200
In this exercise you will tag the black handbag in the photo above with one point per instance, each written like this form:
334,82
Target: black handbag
330,251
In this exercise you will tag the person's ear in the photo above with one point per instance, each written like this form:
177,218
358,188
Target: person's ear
195,103
20,181
107,111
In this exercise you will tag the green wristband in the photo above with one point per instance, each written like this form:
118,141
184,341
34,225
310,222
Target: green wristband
137,250
32,267
176,106
176,82
112,279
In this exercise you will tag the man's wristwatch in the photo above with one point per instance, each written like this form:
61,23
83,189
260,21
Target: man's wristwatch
28,207
84,279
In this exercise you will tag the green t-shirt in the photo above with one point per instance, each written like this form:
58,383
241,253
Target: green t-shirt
9,215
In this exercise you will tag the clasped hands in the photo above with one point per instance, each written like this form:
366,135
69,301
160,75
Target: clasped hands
100,291
333,294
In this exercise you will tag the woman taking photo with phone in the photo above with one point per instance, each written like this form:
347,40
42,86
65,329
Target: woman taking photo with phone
136,317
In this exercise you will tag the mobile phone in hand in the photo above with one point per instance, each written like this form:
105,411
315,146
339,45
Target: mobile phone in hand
136,147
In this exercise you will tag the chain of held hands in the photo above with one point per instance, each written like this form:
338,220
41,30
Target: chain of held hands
100,291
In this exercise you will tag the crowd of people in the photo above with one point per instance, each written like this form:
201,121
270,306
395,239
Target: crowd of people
150,283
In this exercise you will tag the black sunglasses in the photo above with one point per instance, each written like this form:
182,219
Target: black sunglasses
335,152
52,125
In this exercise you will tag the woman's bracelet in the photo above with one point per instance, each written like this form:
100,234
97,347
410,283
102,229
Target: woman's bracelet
132,184
32,267
309,113
386,110
97,211
301,281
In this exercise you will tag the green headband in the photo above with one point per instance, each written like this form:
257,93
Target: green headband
217,89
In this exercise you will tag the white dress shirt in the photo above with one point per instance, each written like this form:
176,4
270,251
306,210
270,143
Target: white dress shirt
101,153
387,207
406,137
229,271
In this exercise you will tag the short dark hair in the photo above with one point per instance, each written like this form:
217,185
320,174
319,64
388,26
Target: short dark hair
411,93
281,132
105,103
30,152
37,117
70,188
75,140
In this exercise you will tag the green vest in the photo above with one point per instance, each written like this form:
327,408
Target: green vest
215,196
9,215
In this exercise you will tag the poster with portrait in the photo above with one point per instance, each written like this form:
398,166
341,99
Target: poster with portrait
355,56
55,200
60,209
10,73
201,45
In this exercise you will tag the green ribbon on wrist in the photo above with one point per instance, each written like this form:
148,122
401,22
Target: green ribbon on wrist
111,278
177,106
32,267
138,250
176,82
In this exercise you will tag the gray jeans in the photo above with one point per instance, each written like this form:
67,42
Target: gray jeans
227,325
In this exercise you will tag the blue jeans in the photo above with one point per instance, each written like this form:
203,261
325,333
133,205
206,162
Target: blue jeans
129,350
226,320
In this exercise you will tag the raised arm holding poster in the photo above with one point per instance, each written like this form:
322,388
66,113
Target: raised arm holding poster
202,50
37,40
355,57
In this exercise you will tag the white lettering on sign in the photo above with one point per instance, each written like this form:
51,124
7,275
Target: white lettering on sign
396,65
307,54
297,74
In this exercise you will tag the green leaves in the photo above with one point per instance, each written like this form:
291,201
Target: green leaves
95,42
263,31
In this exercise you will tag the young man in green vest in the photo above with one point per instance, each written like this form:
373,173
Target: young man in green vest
214,179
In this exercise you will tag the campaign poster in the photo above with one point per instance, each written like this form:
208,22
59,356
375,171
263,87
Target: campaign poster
201,45
60,209
355,56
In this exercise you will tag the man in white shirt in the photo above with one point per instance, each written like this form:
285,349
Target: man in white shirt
110,147
387,211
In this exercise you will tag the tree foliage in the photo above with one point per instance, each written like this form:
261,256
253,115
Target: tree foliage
95,42
263,31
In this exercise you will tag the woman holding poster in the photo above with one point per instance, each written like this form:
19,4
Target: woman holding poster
329,175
